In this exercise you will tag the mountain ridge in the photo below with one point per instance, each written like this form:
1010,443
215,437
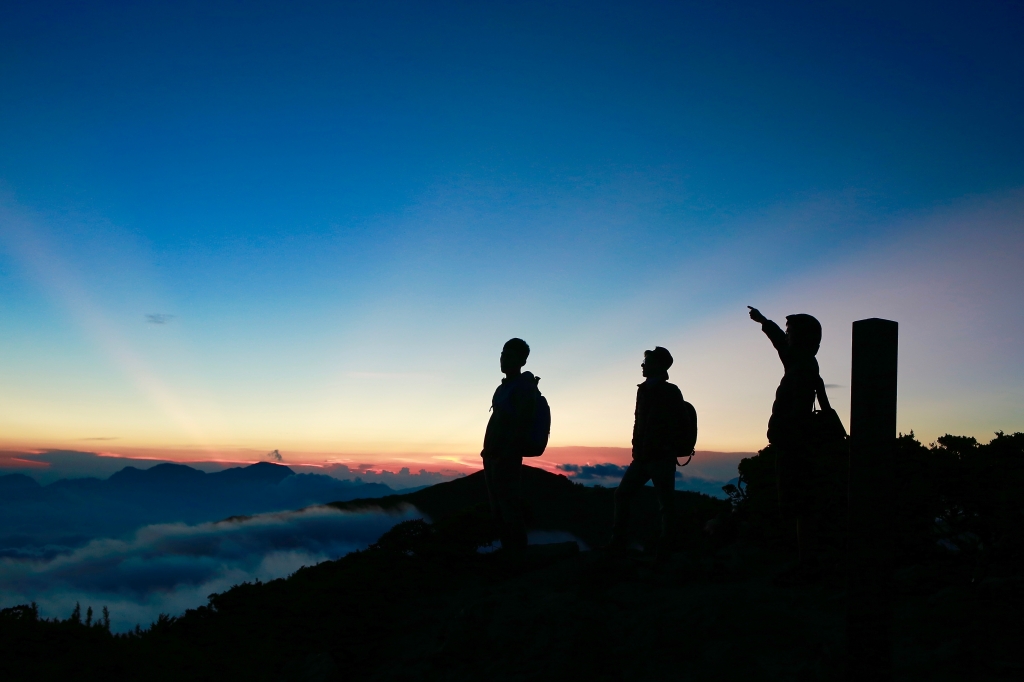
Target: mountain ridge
67,513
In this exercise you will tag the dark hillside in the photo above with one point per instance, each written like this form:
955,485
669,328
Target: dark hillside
423,604
553,502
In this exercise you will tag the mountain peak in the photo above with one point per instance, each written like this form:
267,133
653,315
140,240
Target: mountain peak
261,472
161,472
10,482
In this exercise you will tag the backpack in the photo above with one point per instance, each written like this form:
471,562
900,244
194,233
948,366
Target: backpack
540,421
826,428
688,420
540,428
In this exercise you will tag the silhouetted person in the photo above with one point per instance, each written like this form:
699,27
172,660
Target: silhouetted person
507,441
790,429
658,436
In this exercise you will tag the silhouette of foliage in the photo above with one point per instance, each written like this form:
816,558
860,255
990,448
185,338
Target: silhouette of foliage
955,495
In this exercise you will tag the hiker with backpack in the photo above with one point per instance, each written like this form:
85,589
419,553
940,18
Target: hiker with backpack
518,427
795,432
664,428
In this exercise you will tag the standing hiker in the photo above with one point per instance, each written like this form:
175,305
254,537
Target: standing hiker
791,430
664,428
507,440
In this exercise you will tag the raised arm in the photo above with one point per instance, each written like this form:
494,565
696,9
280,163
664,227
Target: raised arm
771,330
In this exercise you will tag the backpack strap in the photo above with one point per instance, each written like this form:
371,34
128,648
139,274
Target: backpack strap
819,392
688,458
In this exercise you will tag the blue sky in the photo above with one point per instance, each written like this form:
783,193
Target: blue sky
345,208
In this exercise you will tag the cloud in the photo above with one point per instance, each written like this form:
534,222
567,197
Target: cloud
159,318
51,465
706,464
609,475
403,479
390,375
587,472
275,456
168,568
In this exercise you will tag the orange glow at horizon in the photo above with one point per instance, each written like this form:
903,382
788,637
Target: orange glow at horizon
706,464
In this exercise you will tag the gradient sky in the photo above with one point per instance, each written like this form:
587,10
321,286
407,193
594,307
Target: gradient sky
227,228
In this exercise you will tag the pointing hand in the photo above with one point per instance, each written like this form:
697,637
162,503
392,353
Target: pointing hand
756,315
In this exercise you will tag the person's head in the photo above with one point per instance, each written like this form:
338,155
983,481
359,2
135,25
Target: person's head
513,355
803,332
656,362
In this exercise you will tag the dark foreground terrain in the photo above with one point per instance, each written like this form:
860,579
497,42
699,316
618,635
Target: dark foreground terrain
423,603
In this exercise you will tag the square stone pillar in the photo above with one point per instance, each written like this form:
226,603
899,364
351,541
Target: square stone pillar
872,451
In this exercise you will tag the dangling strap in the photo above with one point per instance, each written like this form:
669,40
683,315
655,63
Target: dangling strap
819,392
688,458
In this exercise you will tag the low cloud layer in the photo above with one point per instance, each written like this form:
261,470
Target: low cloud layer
403,479
168,568
609,475
592,472
705,465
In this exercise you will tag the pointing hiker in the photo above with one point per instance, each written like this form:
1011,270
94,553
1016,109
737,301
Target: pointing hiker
664,428
791,428
511,436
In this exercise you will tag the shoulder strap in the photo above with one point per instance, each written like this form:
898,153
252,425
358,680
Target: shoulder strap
823,402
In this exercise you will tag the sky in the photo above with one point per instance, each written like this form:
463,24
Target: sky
231,228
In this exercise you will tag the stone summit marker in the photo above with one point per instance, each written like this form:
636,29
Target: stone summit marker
872,449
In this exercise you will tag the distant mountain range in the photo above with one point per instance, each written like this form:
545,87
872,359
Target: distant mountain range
40,520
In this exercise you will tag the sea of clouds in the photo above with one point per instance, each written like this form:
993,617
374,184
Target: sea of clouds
609,475
168,568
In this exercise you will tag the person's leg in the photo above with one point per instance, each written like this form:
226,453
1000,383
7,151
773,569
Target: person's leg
795,464
506,496
632,482
663,475
491,477
787,469
806,511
